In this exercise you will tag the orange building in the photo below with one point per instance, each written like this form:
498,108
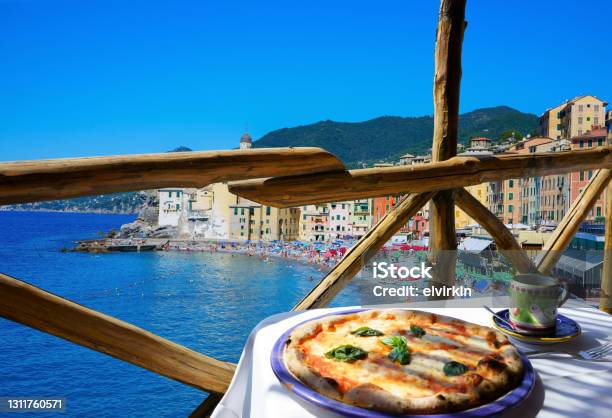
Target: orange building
597,137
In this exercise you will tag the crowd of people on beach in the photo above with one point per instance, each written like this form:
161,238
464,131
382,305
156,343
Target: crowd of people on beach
323,254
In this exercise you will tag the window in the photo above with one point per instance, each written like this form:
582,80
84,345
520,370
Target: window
510,208
582,176
596,108
169,194
580,108
581,143
511,183
558,126
580,120
510,196
267,210
599,142
251,211
590,143
590,174
598,210
595,120
235,211
242,211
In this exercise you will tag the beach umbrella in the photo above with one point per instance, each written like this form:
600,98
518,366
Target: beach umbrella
327,255
333,252
342,250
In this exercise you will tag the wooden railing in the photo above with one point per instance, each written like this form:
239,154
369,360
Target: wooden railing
292,177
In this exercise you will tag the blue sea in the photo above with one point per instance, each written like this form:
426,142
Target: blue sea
207,302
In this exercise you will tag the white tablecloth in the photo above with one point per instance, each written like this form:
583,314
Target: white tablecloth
565,387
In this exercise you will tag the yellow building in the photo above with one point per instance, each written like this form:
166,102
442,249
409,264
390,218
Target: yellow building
480,192
573,117
549,124
255,222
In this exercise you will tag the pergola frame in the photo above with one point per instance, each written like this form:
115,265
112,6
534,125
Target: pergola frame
311,172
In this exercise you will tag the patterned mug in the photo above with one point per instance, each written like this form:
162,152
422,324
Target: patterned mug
534,301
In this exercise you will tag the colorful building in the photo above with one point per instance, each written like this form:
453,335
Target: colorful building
361,218
578,180
314,223
254,222
340,226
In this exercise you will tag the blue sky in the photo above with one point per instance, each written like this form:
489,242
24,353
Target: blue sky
113,77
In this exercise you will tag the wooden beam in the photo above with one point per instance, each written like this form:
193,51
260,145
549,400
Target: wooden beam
567,228
605,301
206,408
446,86
505,241
362,251
41,310
457,172
29,181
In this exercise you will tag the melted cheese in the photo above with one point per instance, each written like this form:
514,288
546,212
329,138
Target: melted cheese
423,376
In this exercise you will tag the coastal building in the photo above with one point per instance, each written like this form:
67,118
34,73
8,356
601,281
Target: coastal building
580,114
340,225
382,206
314,223
480,143
596,137
480,192
361,218
549,123
406,159
250,221
172,201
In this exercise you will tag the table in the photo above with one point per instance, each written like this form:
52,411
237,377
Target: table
565,387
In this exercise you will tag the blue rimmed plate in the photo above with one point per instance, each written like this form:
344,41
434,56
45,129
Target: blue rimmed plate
566,329
509,400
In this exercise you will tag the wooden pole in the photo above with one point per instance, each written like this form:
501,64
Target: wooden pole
567,228
457,172
447,83
605,303
29,181
207,407
362,251
505,241
41,310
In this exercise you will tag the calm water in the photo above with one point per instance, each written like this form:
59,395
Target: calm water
207,302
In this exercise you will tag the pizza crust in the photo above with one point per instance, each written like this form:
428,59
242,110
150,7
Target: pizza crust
498,371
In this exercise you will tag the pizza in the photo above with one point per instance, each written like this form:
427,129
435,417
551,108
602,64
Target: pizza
403,361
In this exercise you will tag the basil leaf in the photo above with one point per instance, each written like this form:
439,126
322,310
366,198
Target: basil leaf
367,332
400,354
453,368
417,331
394,341
348,353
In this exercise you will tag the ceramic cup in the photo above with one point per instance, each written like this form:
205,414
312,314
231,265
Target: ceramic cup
534,300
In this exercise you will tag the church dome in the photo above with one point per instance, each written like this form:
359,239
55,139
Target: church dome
246,138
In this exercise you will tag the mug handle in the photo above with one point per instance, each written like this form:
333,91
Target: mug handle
565,294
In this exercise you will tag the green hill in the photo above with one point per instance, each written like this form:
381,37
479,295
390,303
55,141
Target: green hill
387,137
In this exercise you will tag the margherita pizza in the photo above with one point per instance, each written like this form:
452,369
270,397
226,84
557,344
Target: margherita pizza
403,361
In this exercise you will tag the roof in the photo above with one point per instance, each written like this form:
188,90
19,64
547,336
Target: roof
480,138
475,244
579,261
246,138
407,156
597,132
